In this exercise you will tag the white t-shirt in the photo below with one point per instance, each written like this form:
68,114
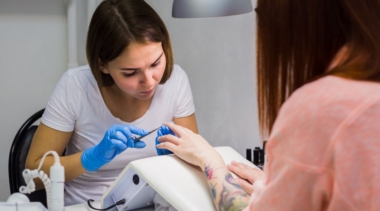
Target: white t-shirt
77,105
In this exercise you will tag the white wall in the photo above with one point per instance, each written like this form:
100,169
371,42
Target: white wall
218,55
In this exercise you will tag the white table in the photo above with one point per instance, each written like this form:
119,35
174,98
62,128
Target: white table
96,204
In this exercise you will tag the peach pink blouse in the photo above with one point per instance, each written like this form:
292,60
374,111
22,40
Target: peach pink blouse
324,150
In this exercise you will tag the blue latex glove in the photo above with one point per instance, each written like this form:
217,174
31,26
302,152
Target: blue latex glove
115,141
164,130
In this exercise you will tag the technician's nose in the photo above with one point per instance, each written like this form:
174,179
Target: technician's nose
148,78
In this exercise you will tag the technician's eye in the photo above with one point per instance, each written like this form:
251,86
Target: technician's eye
155,64
129,74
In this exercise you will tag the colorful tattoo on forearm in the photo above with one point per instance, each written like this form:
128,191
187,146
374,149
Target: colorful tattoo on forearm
209,172
213,190
229,198
209,175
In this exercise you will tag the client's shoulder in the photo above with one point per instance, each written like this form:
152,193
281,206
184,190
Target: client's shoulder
331,97
332,91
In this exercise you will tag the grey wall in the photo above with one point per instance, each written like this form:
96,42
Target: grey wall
218,55
33,56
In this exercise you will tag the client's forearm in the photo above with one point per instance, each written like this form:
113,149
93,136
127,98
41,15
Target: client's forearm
225,190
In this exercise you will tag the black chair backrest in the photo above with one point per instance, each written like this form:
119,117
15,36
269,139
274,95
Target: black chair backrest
17,157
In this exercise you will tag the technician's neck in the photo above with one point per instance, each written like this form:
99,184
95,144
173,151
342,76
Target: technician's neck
117,93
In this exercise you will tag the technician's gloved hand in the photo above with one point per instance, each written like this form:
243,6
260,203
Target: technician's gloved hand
117,139
164,130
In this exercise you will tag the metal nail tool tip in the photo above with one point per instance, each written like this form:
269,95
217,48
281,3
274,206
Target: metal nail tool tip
136,139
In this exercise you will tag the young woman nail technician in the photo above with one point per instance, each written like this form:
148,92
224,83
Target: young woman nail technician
319,60
130,86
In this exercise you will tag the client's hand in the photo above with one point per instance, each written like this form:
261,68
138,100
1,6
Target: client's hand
115,141
164,130
188,146
247,173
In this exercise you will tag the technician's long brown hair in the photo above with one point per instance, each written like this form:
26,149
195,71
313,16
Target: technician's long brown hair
298,39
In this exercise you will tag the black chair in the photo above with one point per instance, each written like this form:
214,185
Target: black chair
17,158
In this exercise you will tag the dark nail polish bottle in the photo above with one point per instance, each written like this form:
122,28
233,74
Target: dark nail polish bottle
248,155
256,156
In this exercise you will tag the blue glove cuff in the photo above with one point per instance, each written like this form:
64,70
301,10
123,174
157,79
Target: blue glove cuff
91,161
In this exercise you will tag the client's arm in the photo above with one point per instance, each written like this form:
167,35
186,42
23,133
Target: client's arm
194,149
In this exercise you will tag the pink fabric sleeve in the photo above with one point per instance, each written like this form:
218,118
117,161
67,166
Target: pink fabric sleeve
323,153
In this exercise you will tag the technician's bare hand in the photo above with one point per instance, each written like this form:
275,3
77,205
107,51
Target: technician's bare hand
249,175
188,146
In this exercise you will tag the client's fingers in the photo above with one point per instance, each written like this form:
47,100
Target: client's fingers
251,174
169,138
238,170
247,187
168,146
187,130
178,130
243,165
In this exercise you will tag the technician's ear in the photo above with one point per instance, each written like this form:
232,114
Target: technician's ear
103,67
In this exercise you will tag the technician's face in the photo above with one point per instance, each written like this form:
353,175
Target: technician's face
138,69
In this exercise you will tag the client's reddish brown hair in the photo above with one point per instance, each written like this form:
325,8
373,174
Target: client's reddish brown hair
298,39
